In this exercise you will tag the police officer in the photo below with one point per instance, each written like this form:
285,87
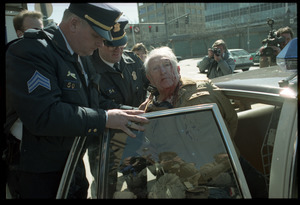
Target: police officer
52,97
123,78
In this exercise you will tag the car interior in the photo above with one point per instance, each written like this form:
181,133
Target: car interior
257,122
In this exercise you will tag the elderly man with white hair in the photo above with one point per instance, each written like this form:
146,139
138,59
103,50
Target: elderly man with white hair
173,91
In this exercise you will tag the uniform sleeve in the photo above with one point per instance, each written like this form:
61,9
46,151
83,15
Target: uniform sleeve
34,92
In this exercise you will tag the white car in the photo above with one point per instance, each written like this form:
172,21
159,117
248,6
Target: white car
243,60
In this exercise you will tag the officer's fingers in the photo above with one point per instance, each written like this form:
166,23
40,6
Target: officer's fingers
134,112
136,126
138,119
129,132
131,125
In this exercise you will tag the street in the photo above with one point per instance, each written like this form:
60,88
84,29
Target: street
188,68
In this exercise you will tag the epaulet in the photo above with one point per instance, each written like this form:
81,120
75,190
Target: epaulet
36,34
130,53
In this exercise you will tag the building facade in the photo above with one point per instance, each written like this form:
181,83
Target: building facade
191,28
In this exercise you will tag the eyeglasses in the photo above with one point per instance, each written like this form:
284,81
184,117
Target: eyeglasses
108,44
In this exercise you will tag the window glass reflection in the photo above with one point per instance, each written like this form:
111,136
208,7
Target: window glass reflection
179,156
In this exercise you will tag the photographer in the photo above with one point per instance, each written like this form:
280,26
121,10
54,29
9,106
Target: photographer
218,62
283,36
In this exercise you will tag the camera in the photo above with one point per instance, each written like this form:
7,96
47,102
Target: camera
216,51
272,40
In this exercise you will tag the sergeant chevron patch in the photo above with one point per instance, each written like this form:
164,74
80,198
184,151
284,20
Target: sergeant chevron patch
38,80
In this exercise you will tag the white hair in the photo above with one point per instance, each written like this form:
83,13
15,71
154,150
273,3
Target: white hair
161,51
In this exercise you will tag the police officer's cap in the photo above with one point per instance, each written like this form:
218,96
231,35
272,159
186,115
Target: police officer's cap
118,33
101,16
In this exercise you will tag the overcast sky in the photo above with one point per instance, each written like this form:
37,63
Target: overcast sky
129,10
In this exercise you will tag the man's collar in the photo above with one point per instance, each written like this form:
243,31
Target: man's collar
67,44
106,62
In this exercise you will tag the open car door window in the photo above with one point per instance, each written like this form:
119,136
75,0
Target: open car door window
183,153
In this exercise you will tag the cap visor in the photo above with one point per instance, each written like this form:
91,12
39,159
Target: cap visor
105,34
120,42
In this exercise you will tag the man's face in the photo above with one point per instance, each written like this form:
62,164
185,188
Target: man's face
85,40
162,74
110,53
287,37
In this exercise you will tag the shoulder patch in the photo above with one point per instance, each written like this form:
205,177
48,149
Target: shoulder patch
37,80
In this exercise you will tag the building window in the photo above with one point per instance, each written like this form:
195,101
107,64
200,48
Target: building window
254,9
142,11
234,13
265,7
244,10
277,5
150,8
159,5
151,17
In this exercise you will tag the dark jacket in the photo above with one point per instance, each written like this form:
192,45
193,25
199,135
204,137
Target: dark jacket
45,89
126,88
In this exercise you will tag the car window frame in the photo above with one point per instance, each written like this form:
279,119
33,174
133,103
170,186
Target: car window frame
69,169
243,186
281,180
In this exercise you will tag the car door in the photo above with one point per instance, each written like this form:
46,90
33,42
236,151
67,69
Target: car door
183,153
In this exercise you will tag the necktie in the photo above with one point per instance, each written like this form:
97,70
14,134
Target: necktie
117,67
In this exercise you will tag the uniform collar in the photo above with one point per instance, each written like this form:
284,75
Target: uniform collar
67,44
59,42
108,63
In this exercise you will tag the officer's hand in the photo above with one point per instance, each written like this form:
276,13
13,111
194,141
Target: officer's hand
126,120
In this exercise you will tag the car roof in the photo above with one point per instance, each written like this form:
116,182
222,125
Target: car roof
259,80
237,49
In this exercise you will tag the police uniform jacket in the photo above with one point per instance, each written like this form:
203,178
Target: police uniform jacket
47,91
128,87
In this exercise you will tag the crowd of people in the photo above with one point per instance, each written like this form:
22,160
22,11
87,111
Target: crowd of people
77,79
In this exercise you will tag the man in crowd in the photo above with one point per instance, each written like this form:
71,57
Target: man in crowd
287,34
140,50
219,62
26,20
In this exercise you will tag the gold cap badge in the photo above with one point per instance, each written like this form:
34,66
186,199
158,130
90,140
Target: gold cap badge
116,27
